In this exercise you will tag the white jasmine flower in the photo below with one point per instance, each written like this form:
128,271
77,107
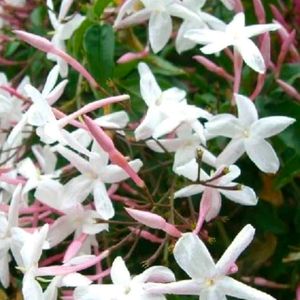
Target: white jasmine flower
248,134
124,286
210,280
236,34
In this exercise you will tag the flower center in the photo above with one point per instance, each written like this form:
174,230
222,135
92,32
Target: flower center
209,282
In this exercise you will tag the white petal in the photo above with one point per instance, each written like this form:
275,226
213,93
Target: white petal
166,126
5,273
119,273
234,288
232,152
212,293
56,93
262,154
158,274
269,126
193,257
149,88
50,192
27,168
77,161
51,80
171,145
68,28
125,8
95,292
172,96
190,190
64,8
32,248
147,126
136,18
158,38
183,287
251,55
237,23
182,43
31,289
245,196
118,119
102,202
75,279
223,125
190,171
215,47
60,230
254,30
114,173
238,245
204,36
233,172
246,110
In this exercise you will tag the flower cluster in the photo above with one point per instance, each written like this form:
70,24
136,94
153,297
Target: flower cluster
62,175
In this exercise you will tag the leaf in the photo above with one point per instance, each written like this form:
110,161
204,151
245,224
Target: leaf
99,7
269,193
99,44
164,67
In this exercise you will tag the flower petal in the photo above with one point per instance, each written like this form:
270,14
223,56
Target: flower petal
251,55
31,289
232,152
95,292
119,273
149,88
245,196
254,30
234,288
246,110
238,245
189,190
193,257
103,203
158,38
262,154
269,126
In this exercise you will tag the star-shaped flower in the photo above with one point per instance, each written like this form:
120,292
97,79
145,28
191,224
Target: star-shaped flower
248,134
124,286
210,280
236,34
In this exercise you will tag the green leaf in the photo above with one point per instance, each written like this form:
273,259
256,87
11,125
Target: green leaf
99,44
164,67
99,7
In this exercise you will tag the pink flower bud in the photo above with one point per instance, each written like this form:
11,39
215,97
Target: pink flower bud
146,235
130,56
44,45
108,146
153,221
259,11
74,247
147,218
290,90
211,66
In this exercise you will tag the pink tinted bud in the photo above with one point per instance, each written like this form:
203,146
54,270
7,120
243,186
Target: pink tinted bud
98,133
259,11
153,221
74,247
290,90
147,218
278,16
36,41
260,281
44,45
238,6
265,48
288,41
211,66
131,56
108,146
